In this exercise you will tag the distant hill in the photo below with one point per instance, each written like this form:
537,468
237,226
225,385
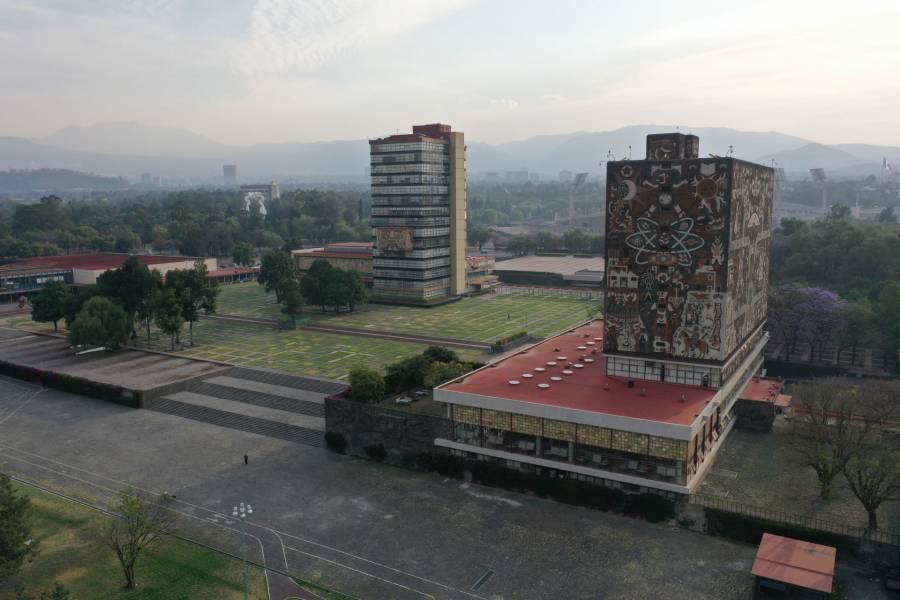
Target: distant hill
56,180
134,139
129,149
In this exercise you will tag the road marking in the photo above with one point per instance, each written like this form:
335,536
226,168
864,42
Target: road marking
483,579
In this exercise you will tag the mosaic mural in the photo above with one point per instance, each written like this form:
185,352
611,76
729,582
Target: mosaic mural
687,255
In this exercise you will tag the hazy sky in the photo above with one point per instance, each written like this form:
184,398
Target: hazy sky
243,71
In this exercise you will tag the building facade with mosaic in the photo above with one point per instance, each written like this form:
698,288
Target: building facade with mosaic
643,399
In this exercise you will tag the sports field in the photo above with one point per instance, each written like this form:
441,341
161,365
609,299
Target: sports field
301,352
482,318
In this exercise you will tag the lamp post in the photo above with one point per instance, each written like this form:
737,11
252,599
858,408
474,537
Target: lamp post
241,512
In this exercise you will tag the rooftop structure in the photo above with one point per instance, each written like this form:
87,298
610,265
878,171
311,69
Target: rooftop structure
788,563
419,215
570,270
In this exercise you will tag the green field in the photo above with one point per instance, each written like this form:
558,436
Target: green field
300,352
71,553
482,318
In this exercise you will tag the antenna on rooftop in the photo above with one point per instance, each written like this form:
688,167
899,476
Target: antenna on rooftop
730,151
629,151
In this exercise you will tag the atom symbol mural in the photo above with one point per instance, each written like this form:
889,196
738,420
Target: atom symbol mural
664,244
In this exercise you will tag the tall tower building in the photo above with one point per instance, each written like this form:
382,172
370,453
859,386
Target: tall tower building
229,174
419,215
687,259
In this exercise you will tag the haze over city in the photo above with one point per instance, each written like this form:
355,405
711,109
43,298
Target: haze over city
243,72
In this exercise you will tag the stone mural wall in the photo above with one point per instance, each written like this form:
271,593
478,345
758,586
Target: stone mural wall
687,255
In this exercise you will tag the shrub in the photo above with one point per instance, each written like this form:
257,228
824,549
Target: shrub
376,452
508,338
366,385
440,354
655,508
441,372
335,442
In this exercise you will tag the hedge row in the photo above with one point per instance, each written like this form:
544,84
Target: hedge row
508,338
743,528
652,507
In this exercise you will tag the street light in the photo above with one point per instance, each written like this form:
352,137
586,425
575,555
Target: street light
242,512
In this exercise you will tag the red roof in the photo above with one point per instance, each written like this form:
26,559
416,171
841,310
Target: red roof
762,389
232,271
324,254
795,562
350,245
588,388
94,261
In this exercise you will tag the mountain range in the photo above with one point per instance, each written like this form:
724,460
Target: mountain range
127,149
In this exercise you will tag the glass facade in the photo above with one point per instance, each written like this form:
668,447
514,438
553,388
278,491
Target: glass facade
411,218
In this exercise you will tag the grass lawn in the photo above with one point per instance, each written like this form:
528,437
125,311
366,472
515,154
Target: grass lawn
71,553
760,469
300,352
482,318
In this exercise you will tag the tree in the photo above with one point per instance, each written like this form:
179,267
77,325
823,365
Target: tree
167,313
16,544
49,305
824,436
244,254
802,315
292,300
887,216
440,354
441,372
354,288
129,286
366,385
873,475
312,286
139,525
195,292
404,375
76,301
576,240
146,309
275,271
100,323
478,236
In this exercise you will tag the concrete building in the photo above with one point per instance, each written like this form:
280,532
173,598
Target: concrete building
358,256
419,215
261,194
643,400
229,175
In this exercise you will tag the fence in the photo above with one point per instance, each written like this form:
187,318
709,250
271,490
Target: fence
547,292
756,512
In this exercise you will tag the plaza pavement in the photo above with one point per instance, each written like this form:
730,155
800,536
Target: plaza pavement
368,530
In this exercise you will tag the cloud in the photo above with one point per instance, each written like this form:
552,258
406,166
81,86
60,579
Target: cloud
553,97
302,35
506,103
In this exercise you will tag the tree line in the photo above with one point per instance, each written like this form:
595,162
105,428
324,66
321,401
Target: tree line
108,313
193,223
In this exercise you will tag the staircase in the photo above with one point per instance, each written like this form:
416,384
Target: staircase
258,401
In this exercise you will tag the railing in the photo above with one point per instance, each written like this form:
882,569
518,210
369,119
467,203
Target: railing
885,537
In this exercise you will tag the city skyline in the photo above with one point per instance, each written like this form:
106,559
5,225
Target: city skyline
248,72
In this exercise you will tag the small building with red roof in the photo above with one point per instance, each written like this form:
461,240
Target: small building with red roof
788,566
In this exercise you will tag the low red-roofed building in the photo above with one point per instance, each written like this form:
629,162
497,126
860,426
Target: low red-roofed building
787,565
555,406
28,275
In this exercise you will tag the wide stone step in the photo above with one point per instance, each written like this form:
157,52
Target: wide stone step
303,407
236,415
310,384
